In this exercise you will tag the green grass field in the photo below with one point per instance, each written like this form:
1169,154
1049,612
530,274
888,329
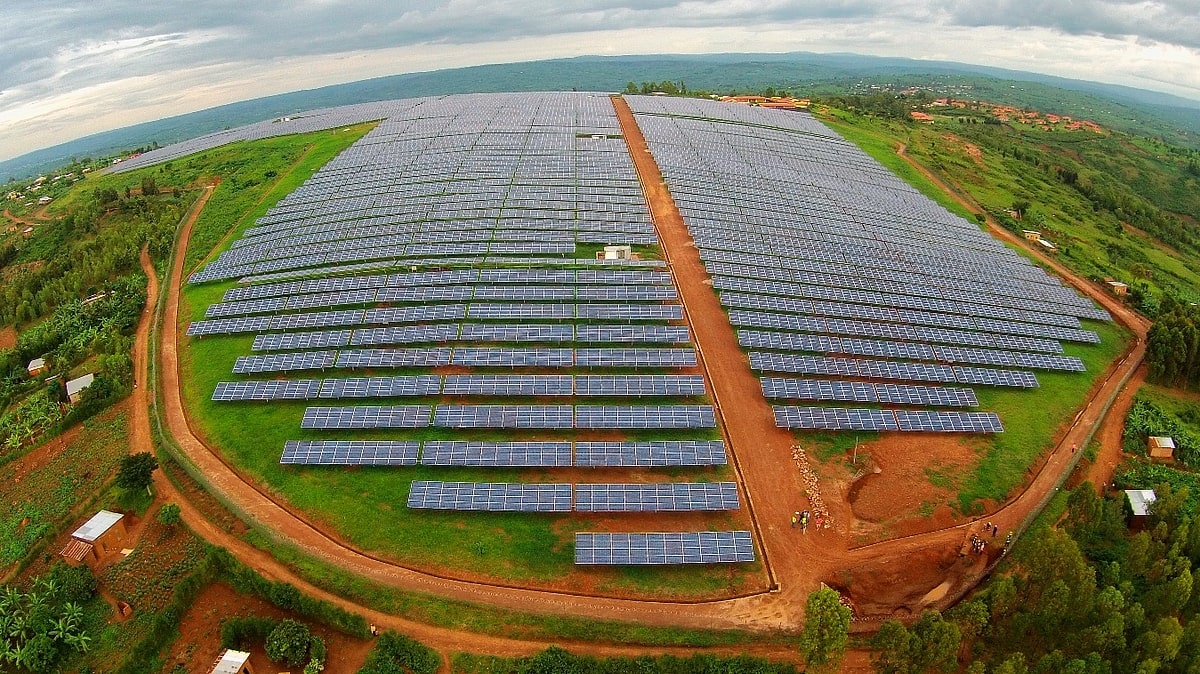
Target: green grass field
368,506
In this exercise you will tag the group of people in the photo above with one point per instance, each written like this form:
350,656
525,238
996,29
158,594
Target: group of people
979,545
801,519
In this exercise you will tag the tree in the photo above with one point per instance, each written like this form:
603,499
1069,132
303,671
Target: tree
136,470
826,628
169,514
890,648
934,645
289,643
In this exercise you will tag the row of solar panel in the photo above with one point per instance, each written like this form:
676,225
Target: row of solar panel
440,312
473,332
874,313
463,385
889,331
908,350
834,276
556,497
214,271
452,262
510,454
447,293
933,301
883,369
663,548
466,357
865,419
510,416
778,388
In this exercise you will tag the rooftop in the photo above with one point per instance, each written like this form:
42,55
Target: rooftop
1140,500
95,527
231,662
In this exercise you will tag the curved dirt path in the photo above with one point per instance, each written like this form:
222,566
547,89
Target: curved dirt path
798,561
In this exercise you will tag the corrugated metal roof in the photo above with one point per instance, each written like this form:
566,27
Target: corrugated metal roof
76,385
95,527
231,662
1140,500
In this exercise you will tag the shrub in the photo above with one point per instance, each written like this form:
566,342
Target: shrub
397,653
169,514
242,633
288,643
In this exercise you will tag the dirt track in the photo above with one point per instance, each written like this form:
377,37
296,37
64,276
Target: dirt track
799,562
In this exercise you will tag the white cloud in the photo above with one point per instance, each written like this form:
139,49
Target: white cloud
73,68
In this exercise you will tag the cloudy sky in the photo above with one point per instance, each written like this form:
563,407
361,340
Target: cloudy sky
69,68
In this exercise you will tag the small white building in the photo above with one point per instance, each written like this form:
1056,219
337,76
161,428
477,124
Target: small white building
1031,235
36,367
77,386
1160,447
1119,289
44,200
1139,501
233,662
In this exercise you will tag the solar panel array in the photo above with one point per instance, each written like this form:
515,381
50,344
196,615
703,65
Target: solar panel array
440,262
545,454
830,266
557,497
658,548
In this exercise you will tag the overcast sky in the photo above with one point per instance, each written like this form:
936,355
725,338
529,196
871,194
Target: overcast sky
69,68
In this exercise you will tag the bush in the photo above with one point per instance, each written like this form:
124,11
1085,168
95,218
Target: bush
397,653
168,515
288,643
76,584
242,633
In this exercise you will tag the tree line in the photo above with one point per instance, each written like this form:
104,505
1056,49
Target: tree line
1173,345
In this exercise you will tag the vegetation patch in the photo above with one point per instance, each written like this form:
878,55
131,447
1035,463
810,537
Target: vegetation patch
37,502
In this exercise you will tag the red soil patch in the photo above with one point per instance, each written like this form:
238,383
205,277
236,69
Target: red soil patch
893,498
199,643
8,337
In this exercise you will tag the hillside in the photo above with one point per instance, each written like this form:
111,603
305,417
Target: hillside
1133,110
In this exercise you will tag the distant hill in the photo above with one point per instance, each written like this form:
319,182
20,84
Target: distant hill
1172,118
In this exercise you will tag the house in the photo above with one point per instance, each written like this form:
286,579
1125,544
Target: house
922,117
1031,235
1119,289
1049,246
1161,447
76,387
42,201
1139,502
233,662
99,536
36,367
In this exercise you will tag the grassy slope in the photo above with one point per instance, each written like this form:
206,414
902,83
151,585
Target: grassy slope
368,506
1031,418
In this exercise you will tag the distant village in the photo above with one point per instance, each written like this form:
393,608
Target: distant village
1007,113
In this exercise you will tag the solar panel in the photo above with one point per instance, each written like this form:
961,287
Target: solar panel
398,416
652,453
349,453
282,389
284,362
678,496
501,357
948,422
508,385
461,453
377,358
662,334
503,416
817,389
835,419
644,416
489,496
660,548
639,385
284,341
381,387
635,357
